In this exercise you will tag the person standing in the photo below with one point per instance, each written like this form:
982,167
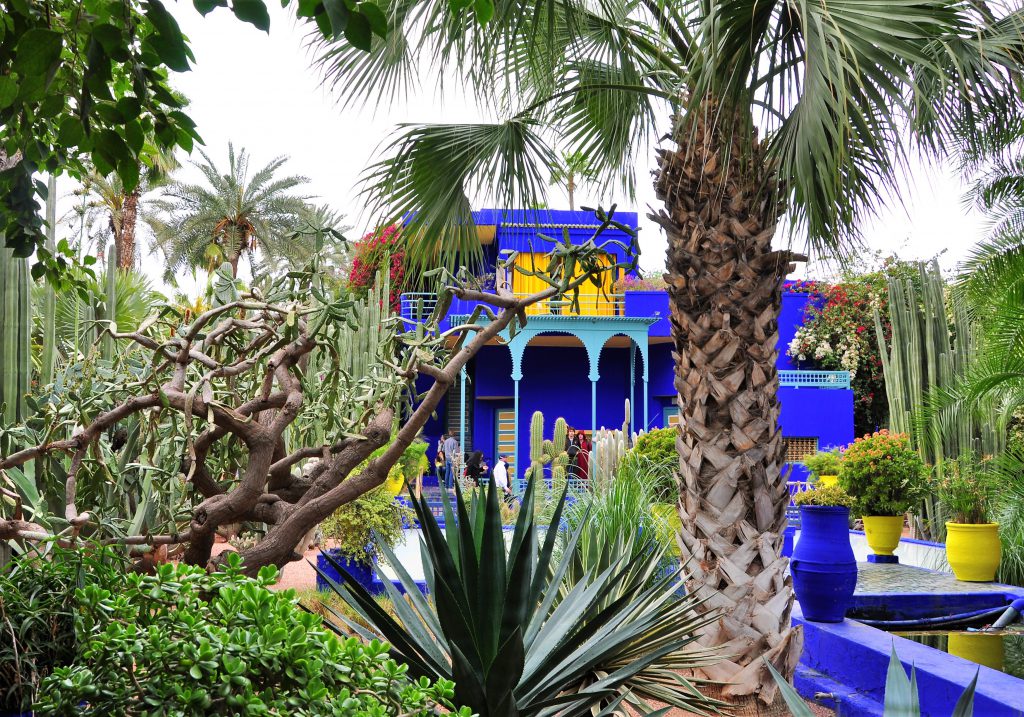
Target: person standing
500,474
451,451
476,468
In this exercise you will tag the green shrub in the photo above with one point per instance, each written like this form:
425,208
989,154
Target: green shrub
658,446
883,474
823,463
966,490
826,495
654,456
360,526
37,609
185,642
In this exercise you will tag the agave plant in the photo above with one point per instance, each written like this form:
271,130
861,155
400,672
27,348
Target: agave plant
515,644
901,696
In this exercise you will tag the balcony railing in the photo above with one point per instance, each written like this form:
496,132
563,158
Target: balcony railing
418,306
814,379
585,305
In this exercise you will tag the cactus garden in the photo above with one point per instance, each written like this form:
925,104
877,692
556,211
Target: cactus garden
700,444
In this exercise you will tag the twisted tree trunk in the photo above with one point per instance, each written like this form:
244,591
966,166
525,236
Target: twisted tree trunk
725,289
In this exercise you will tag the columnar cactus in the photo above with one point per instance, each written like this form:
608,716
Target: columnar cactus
49,313
560,435
110,306
15,335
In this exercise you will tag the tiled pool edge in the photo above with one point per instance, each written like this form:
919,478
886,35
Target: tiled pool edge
850,660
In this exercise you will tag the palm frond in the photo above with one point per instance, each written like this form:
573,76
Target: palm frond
432,170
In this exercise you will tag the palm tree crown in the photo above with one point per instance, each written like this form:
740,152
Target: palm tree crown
232,215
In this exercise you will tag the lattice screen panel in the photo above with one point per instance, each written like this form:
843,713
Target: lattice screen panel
798,448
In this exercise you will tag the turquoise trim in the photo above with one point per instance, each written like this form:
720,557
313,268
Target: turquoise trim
815,379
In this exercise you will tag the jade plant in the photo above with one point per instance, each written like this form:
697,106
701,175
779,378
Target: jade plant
188,642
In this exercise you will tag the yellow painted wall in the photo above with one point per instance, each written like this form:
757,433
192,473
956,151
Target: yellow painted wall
593,302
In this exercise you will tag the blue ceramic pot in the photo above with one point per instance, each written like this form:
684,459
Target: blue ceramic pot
823,567
362,572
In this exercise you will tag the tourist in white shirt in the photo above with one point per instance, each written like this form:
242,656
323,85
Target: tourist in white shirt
500,473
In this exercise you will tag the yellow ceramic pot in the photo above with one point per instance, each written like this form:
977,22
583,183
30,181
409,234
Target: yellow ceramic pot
979,648
973,551
394,482
828,480
883,532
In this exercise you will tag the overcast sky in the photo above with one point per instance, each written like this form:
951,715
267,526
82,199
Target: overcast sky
259,92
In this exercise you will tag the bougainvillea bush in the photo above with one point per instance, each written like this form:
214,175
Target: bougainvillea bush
883,474
379,250
838,334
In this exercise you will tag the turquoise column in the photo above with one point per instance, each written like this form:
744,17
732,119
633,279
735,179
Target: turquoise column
462,413
593,407
632,383
515,429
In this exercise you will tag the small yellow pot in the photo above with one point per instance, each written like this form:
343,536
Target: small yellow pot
828,480
973,551
978,648
394,483
883,532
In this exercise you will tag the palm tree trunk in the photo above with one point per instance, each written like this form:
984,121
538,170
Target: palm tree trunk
725,289
125,244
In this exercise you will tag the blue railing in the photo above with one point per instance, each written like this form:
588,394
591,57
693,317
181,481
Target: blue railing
815,379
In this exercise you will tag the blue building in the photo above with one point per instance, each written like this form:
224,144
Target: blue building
583,364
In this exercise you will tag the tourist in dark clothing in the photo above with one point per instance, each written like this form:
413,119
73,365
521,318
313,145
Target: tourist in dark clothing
475,467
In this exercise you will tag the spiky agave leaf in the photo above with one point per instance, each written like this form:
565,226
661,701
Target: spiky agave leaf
498,626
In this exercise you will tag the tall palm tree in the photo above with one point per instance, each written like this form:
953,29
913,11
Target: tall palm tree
572,167
232,215
802,107
115,212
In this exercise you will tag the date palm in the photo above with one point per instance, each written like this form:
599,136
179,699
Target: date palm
230,216
807,110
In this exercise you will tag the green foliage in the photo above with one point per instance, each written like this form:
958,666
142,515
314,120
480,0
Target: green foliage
658,446
966,489
114,61
501,628
37,616
824,495
883,474
185,642
901,696
360,527
824,463
77,314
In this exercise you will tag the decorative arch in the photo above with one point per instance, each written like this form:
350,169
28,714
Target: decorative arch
593,332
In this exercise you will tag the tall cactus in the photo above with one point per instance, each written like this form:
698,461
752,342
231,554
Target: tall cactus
925,358
608,449
110,307
49,314
15,335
